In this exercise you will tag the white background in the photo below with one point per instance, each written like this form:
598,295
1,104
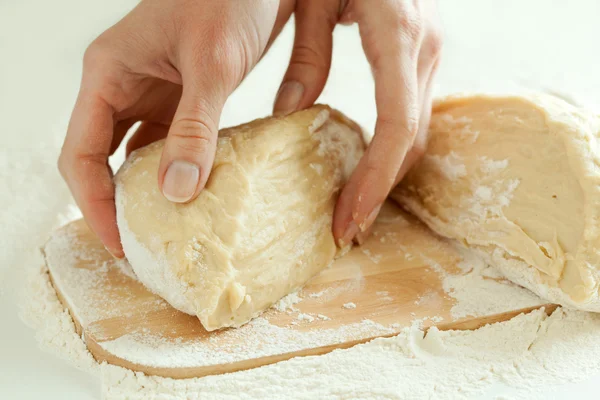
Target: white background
543,44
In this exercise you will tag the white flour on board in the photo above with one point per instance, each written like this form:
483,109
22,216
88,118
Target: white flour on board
423,366
443,365
528,353
287,303
480,290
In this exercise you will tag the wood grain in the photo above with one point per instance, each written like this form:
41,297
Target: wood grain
394,280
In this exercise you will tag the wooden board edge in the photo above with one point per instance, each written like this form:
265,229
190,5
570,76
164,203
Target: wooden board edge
61,297
197,372
102,355
476,323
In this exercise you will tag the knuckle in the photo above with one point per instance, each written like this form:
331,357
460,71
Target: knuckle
94,54
307,56
192,136
435,41
78,164
224,59
84,163
406,128
410,24
62,165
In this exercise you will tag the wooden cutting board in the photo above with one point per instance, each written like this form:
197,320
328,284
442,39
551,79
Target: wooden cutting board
393,281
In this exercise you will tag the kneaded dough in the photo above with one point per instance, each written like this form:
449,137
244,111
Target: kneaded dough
518,179
259,230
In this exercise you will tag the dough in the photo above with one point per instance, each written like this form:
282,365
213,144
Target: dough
517,179
259,230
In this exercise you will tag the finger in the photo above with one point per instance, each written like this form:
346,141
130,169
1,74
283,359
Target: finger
311,56
361,237
393,58
344,227
83,163
190,147
119,132
420,143
148,132
418,149
395,130
284,12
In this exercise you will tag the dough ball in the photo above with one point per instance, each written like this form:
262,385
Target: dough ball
517,179
259,230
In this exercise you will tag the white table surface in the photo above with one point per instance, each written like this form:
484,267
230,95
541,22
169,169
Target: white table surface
489,44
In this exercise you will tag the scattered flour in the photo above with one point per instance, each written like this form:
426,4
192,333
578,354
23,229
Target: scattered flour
318,294
54,327
480,290
444,365
306,317
259,338
528,353
375,258
287,302
451,165
384,295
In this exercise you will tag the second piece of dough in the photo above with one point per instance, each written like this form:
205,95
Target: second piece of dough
518,179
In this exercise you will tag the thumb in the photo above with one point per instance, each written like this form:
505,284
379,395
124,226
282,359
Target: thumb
311,56
190,146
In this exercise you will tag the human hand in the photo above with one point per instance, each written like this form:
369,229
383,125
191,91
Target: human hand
172,65
402,42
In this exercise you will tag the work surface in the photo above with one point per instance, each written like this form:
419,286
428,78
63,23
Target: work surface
42,45
393,281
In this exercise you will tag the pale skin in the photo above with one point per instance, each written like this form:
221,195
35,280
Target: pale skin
171,64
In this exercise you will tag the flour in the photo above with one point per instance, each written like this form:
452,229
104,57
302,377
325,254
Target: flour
257,339
287,303
450,165
480,290
375,258
528,353
305,317
55,331
476,289
441,365
384,295
318,294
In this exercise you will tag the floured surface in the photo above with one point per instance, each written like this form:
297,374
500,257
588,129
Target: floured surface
402,276
530,355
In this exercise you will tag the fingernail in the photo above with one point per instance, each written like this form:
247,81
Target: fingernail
349,233
370,218
118,254
361,237
180,181
288,98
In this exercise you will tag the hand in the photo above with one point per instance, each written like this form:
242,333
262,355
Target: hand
170,64
402,41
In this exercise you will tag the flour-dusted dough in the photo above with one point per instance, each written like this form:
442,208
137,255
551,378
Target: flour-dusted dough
259,230
518,179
